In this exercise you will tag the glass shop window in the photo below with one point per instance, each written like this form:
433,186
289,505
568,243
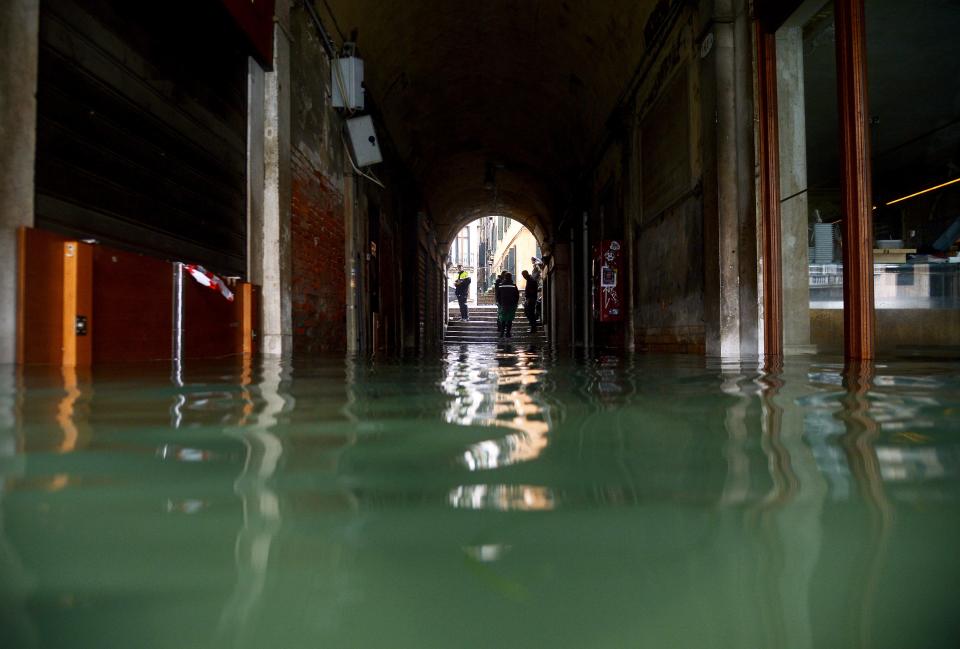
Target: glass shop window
810,180
913,62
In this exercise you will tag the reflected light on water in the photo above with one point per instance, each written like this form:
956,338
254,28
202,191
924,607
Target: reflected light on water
503,497
500,391
261,504
488,552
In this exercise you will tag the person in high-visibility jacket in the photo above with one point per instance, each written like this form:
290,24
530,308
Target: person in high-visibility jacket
462,290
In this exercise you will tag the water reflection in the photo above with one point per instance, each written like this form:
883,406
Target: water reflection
500,388
503,497
15,583
262,518
788,517
862,431
359,503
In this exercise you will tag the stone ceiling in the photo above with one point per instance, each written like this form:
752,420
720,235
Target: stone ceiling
524,85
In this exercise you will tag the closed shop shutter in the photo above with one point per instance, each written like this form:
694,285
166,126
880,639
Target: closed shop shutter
141,137
422,288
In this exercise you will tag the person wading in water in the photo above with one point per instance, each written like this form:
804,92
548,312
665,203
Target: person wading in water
530,294
508,296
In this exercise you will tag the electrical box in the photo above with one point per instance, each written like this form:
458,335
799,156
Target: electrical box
346,80
363,141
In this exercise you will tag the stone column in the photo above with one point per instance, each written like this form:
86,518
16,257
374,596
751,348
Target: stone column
731,312
19,25
792,128
351,267
561,297
270,234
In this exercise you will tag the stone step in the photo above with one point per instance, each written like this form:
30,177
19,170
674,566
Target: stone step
516,340
488,334
489,326
493,336
481,329
517,331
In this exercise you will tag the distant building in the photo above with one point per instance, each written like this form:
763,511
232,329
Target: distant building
514,247
465,251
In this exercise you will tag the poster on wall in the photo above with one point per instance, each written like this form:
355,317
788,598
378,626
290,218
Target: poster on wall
610,302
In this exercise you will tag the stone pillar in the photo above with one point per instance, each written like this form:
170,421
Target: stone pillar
270,234
792,129
350,253
255,189
730,224
561,297
19,25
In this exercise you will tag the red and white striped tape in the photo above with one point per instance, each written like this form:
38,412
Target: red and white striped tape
208,279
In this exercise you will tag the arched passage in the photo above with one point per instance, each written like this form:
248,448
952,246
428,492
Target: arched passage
533,110
504,108
484,253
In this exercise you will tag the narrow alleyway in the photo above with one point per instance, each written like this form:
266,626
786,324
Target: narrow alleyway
240,407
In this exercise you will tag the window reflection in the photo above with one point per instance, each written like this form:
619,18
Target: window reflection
903,416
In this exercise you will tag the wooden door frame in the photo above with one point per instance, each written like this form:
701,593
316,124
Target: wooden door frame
858,300
769,162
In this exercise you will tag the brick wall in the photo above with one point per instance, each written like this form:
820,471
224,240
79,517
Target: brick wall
319,284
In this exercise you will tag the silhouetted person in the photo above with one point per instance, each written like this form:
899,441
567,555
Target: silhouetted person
530,294
462,291
508,297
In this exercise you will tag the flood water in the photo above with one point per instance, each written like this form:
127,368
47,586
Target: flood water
484,497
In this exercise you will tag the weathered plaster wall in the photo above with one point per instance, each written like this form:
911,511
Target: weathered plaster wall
670,280
520,237
679,158
667,222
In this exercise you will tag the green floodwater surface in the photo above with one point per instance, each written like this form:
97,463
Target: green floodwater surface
486,497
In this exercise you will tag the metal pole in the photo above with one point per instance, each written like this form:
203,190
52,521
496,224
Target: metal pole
586,281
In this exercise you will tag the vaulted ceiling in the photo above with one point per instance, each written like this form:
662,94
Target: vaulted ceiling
524,85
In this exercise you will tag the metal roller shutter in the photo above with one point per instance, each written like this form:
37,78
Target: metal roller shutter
141,138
